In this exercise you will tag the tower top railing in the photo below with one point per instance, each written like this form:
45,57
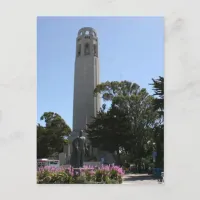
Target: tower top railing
87,31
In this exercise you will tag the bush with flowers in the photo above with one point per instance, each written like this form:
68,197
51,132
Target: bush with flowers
87,175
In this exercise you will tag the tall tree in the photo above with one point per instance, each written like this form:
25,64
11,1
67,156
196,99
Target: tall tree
108,131
43,142
128,122
53,135
158,88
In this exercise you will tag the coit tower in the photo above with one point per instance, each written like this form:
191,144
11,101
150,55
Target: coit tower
86,78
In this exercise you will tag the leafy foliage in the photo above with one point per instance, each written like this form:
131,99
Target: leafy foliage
88,175
133,126
128,124
158,88
52,136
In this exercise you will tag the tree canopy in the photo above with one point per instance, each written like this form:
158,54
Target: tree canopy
128,124
158,88
52,136
132,126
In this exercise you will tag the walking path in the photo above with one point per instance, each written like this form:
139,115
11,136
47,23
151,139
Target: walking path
140,179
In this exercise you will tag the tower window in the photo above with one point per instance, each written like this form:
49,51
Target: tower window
94,34
95,50
87,49
87,37
87,32
79,50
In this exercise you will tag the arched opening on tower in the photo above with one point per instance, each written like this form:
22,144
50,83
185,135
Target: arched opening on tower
95,50
94,34
79,50
87,49
87,32
87,37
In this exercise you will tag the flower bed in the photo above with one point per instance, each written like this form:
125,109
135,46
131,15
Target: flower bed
87,175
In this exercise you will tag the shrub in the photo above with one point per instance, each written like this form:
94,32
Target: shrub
88,175
49,175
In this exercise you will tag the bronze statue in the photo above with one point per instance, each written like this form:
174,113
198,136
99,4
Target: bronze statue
78,152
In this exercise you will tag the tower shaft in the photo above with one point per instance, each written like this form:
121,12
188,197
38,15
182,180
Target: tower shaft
86,78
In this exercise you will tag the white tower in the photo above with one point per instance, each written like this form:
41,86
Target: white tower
86,78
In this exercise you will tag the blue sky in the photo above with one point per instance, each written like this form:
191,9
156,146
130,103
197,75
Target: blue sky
130,48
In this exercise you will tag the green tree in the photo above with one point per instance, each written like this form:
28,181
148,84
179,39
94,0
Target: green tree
107,131
53,135
127,125
43,142
158,88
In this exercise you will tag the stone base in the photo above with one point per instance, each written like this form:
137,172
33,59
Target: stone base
94,152
108,157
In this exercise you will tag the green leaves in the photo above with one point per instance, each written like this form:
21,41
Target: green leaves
109,90
102,175
158,88
130,126
52,136
128,123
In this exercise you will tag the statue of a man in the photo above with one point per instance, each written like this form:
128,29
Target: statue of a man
78,152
